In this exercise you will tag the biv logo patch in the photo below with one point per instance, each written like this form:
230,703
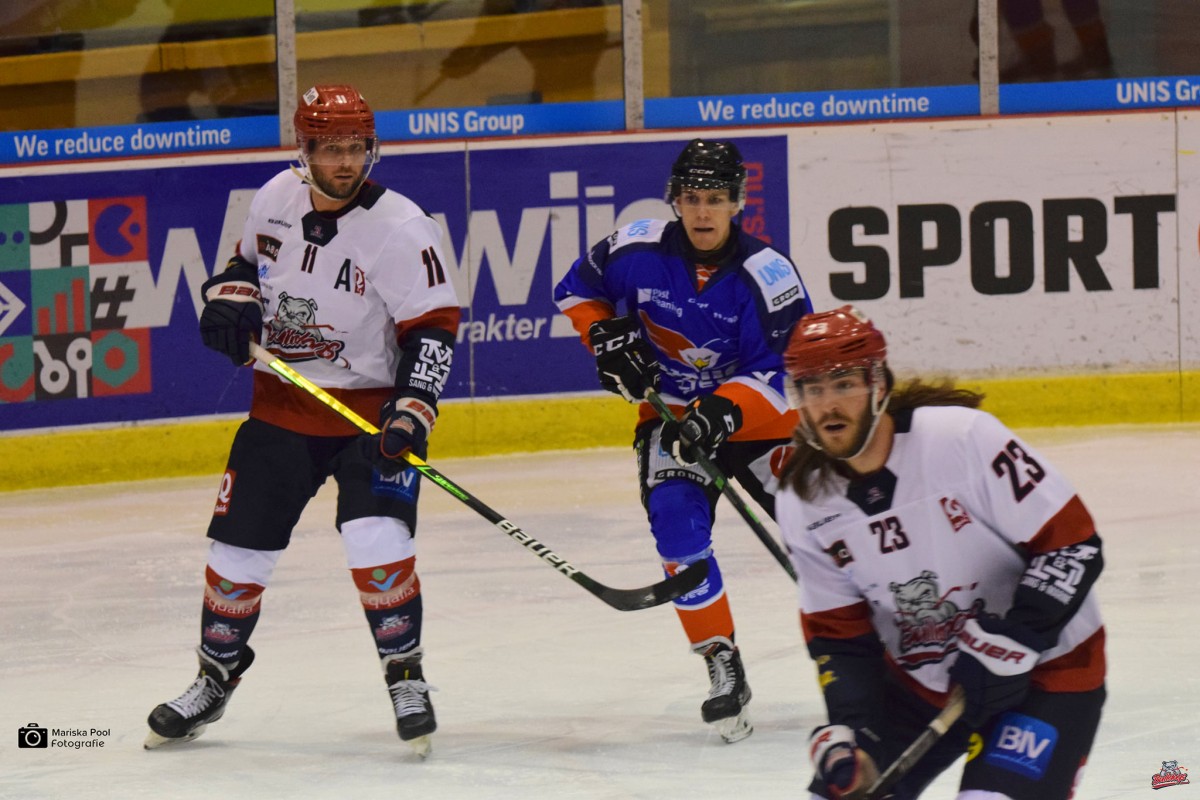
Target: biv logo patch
1022,745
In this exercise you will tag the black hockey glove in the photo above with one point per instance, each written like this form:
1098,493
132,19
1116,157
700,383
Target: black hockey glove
625,364
233,311
709,421
404,425
841,763
995,657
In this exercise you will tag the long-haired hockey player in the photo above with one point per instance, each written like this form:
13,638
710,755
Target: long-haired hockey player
935,548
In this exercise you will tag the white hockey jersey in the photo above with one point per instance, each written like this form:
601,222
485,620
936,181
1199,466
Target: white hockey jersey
339,291
945,531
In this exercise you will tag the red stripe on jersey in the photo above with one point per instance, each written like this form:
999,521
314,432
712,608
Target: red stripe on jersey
837,623
1080,670
444,318
582,315
934,698
296,410
1071,525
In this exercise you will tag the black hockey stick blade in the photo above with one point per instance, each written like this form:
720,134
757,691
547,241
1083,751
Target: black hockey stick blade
935,730
731,494
621,599
655,594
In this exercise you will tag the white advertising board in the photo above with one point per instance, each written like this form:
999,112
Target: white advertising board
998,247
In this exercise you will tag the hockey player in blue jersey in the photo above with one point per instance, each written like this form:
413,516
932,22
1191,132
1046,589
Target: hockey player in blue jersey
700,311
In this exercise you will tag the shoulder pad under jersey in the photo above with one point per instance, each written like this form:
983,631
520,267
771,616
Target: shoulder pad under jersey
776,277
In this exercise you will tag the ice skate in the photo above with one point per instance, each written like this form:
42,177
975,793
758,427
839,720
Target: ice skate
415,721
729,694
186,717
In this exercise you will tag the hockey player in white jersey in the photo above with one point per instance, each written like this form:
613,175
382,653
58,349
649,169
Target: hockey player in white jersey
343,279
935,548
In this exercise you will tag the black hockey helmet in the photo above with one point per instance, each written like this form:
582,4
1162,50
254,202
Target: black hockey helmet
709,164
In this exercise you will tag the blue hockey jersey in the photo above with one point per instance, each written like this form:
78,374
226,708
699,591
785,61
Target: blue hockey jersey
727,333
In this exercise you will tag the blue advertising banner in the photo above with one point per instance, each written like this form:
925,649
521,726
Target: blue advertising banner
122,141
1105,95
761,109
536,210
100,272
469,123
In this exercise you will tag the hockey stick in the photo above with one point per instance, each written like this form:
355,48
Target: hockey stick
920,746
621,599
664,411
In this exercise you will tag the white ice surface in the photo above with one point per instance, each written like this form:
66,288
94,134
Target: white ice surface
544,691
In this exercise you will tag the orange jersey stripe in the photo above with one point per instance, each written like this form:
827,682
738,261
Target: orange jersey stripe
760,418
582,315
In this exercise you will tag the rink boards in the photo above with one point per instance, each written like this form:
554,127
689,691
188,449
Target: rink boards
1050,260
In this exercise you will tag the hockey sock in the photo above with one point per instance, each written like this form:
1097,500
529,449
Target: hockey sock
229,615
704,612
391,599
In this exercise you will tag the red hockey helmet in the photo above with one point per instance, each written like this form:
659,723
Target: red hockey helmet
334,110
835,340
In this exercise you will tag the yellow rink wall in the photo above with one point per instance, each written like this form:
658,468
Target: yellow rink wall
492,427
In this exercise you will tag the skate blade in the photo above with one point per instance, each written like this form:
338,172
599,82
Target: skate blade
734,729
421,745
154,741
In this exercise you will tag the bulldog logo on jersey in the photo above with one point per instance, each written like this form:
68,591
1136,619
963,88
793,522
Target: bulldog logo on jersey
1171,774
929,622
295,333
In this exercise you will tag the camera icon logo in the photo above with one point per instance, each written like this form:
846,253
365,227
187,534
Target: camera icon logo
32,736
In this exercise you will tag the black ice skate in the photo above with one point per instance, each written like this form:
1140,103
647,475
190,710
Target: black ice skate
729,693
415,721
186,717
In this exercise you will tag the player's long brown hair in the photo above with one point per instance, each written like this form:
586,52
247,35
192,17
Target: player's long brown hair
809,470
